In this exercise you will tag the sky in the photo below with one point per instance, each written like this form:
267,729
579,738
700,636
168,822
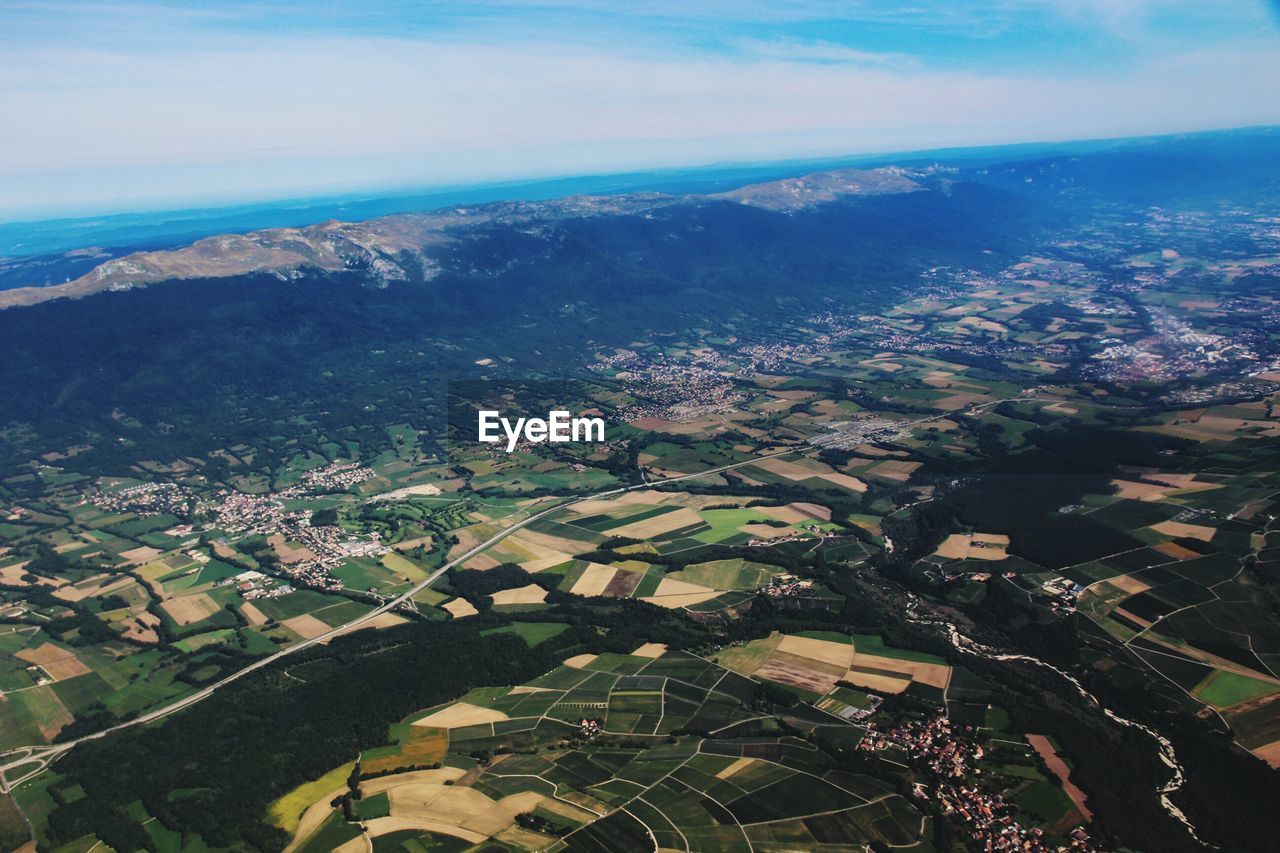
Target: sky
121,105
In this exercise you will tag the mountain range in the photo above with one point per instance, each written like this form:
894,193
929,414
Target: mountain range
390,248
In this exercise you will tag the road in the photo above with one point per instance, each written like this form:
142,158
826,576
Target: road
38,758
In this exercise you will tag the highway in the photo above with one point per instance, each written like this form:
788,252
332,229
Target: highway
38,758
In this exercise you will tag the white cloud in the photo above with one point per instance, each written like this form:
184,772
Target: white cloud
265,115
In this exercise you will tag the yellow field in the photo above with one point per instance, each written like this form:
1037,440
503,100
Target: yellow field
410,544
604,505
788,514
1176,551
543,563
817,665
894,469
594,580
673,593
974,546
1270,753
739,765
428,803
482,562
531,594
844,481
1129,584
1181,529
382,620
142,627
545,545
253,615
59,663
459,608
1139,491
287,811
815,511
138,556
881,683
403,567
826,651
934,674
190,608
766,531
791,470
656,526
425,745
460,714
955,402
306,626
12,575
287,553
803,672
392,823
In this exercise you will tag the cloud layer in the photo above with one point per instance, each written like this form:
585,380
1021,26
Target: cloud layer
119,107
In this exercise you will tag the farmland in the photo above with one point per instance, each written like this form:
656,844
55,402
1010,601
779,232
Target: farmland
602,751
919,501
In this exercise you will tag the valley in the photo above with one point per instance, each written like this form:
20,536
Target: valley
922,505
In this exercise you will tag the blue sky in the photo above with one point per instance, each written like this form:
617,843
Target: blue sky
119,105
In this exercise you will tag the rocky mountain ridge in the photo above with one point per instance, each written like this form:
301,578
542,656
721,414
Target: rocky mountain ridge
385,248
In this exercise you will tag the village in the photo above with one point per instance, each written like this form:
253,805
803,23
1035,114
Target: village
226,516
949,754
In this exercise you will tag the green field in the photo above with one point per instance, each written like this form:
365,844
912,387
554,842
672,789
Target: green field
871,644
532,633
332,834
295,603
1223,689
728,574
724,524
372,807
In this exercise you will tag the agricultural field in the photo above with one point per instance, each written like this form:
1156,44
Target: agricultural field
1058,458
1180,601
605,752
126,608
680,530
820,664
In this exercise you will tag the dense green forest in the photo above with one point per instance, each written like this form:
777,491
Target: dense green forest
183,369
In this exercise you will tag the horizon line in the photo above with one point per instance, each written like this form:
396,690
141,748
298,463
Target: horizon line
373,194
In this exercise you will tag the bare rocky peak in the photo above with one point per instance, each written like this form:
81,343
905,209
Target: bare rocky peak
792,194
377,246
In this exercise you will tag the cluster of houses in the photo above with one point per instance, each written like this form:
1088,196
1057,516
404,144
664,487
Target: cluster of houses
785,586
992,826
778,540
1064,593
253,585
147,499
950,752
335,477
